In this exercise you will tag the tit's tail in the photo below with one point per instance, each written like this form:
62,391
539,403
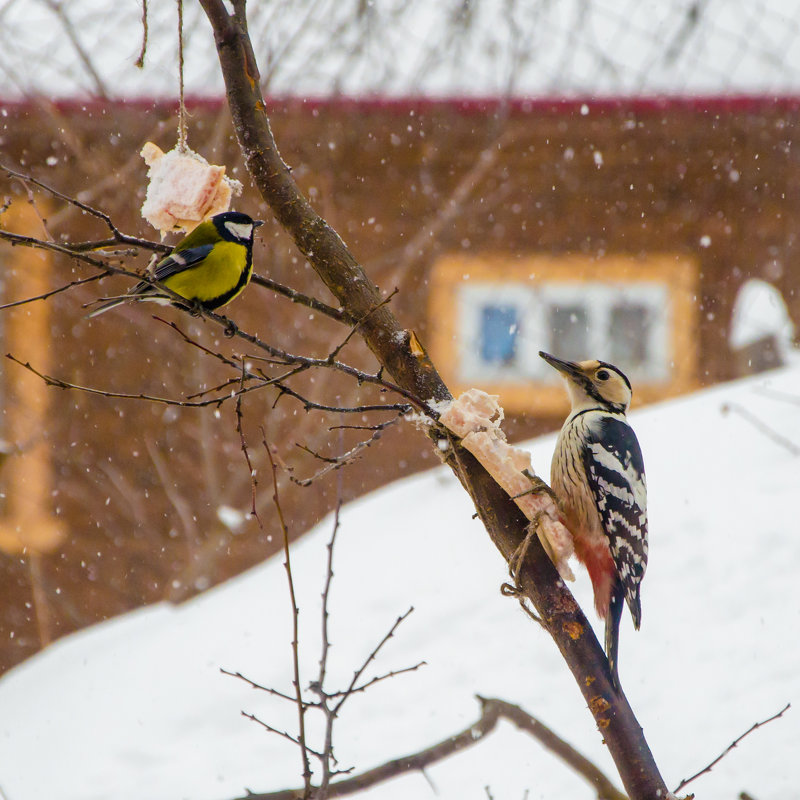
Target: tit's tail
612,632
102,308
141,292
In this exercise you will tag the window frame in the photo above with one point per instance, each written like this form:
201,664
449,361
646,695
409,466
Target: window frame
461,284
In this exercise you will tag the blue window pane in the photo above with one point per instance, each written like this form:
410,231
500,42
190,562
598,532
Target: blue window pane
498,335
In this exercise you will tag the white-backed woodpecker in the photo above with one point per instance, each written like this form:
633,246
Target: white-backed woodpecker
597,474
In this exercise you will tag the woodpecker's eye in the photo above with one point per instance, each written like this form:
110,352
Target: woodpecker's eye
602,375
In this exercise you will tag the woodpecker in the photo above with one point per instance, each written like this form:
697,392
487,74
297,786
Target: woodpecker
597,474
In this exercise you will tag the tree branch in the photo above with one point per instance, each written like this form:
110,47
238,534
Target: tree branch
400,352
753,727
492,710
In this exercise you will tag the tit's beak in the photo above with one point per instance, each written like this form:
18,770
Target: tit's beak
569,368
257,223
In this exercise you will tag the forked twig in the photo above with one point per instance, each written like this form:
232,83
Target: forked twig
369,659
336,462
753,727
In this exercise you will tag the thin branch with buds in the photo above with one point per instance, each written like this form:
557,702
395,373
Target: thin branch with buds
118,237
755,726
336,462
258,686
310,405
303,299
369,659
66,287
301,708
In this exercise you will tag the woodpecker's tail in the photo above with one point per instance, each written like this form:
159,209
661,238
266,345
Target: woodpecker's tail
612,632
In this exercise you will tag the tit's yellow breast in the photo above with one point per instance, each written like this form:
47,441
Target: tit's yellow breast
220,277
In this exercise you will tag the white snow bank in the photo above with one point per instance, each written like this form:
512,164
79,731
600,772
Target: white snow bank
137,708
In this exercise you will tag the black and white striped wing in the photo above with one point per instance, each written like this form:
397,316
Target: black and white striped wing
615,471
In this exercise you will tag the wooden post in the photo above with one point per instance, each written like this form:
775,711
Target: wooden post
28,526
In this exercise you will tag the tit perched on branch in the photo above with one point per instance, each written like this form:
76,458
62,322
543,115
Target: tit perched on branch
210,266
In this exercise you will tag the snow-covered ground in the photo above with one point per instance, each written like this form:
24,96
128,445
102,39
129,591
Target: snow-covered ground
137,707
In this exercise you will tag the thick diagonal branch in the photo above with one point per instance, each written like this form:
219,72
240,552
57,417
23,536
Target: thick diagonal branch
399,352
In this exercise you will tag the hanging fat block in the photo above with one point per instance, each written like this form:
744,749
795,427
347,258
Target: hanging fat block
184,189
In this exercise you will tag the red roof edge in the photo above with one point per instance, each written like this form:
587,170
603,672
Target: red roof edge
566,106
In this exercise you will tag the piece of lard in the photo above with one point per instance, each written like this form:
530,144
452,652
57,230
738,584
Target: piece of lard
475,417
184,189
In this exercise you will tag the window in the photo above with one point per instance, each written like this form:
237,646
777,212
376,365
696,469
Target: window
568,329
491,316
498,333
629,332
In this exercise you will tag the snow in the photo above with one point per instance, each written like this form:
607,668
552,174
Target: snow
137,707
760,311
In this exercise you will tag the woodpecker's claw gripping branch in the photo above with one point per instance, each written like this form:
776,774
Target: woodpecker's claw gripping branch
514,565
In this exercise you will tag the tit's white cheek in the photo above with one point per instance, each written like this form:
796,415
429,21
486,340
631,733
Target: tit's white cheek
240,230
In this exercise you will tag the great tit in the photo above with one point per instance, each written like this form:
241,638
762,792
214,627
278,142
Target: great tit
210,266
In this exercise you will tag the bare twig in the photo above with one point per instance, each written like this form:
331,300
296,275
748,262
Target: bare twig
285,734
303,299
369,659
323,657
310,405
31,241
58,383
140,60
330,715
80,252
344,458
760,425
64,288
786,397
378,678
555,744
376,379
353,330
250,471
260,687
301,708
59,9
117,234
753,727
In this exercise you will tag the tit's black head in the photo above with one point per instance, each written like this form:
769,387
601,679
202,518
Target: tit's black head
235,226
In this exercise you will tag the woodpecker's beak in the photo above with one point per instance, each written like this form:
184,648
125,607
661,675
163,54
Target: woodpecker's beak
257,223
569,368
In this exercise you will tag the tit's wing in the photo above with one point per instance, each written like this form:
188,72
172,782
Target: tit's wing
178,262
614,468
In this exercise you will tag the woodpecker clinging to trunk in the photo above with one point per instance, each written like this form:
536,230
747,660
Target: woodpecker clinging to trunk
597,474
